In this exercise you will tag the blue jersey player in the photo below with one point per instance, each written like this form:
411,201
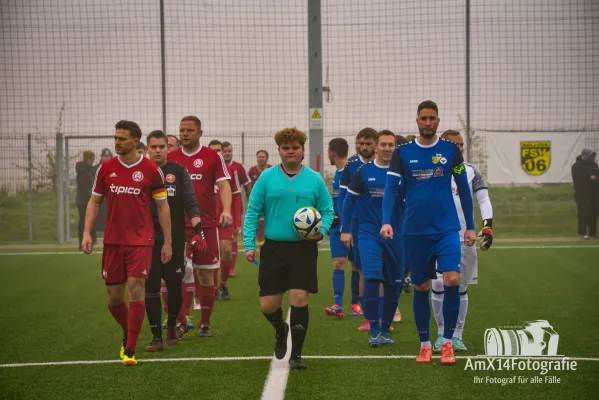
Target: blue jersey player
365,142
382,260
431,225
338,149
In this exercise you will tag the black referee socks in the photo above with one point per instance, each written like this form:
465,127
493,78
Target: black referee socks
300,316
276,320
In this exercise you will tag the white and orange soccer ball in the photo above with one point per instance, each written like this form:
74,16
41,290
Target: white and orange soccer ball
307,222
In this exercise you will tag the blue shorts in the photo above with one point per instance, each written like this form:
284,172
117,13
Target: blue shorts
382,260
338,249
423,250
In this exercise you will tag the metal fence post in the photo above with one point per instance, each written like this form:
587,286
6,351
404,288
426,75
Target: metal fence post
30,188
316,131
59,182
243,148
468,129
67,191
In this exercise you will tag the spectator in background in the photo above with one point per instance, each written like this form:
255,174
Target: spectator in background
173,142
585,175
141,149
105,155
85,181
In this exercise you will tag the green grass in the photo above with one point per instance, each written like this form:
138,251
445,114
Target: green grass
53,308
544,211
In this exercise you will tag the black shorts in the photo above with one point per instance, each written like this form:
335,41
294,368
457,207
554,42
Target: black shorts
172,270
288,265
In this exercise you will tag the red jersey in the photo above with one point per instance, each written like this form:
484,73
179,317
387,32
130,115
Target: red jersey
129,190
254,173
239,174
206,167
235,191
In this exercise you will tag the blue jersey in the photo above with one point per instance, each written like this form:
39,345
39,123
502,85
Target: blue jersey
353,164
335,194
427,172
369,184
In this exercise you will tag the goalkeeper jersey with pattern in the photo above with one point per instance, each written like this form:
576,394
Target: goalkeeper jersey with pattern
427,171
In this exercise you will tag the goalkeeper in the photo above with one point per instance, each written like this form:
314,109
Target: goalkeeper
469,262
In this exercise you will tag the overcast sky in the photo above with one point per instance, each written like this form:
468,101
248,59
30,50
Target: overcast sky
243,65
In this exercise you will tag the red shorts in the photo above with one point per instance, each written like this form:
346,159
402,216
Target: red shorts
209,260
120,262
237,211
225,233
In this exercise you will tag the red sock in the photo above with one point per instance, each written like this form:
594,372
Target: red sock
119,313
225,267
234,261
164,293
215,278
188,289
207,301
136,320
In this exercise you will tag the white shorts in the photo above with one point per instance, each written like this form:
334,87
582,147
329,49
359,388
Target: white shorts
469,265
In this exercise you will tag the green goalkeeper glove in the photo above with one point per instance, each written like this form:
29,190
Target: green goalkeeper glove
486,235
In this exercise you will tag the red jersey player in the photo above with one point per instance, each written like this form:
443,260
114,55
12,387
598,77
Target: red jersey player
254,174
242,181
206,168
225,235
129,182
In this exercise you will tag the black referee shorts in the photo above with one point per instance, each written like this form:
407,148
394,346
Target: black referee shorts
287,265
172,270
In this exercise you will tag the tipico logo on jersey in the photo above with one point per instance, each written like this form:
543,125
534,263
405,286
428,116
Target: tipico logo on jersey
138,176
124,189
531,347
535,157
198,163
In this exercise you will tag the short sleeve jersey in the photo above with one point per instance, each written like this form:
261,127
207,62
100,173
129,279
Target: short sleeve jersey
335,194
235,191
353,164
254,173
129,190
206,167
427,171
239,174
369,184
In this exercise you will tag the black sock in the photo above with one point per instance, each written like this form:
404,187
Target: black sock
154,313
276,320
300,316
175,299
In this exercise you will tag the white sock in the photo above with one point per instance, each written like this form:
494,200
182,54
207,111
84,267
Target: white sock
427,344
459,329
445,341
438,303
188,277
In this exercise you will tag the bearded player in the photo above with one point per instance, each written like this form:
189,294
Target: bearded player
129,182
206,168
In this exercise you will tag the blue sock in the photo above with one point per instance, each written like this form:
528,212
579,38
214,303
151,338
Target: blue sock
371,305
339,286
390,301
451,310
422,313
355,287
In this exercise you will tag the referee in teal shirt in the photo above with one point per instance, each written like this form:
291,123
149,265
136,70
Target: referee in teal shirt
287,262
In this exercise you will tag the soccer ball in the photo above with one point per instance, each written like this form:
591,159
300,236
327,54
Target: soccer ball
307,222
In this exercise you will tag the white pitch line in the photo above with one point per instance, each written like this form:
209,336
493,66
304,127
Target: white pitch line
276,380
260,358
48,253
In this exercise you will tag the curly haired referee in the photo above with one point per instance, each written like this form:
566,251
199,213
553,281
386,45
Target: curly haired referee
287,262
